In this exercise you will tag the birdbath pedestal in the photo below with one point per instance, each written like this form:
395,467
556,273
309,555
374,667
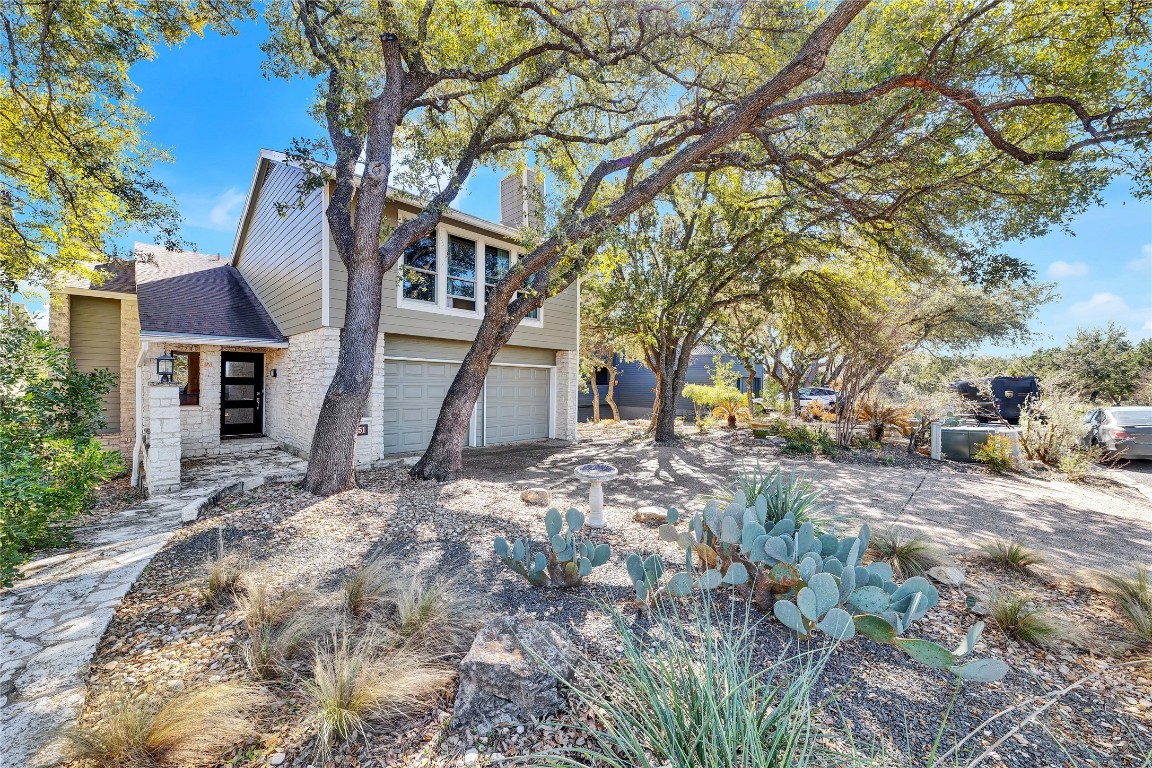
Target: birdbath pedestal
596,475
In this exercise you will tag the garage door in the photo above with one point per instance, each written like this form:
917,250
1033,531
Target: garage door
413,393
517,404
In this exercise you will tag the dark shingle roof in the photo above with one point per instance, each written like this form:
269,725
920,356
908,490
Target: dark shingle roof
116,276
198,294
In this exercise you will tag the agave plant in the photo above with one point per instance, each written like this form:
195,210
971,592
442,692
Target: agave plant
785,494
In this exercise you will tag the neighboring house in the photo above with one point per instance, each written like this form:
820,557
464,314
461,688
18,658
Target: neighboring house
256,336
635,391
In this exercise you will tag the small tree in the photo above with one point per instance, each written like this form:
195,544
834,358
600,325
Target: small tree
50,460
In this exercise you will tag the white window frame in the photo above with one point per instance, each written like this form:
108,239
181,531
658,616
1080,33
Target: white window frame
440,306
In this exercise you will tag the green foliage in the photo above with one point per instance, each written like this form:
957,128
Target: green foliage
1012,554
996,454
811,582
802,440
710,395
1133,596
785,494
568,560
686,696
1022,619
77,162
909,554
50,460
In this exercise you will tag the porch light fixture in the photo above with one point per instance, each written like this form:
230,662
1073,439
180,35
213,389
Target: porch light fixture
165,366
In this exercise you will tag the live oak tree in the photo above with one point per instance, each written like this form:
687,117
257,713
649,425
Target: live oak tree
75,170
1024,103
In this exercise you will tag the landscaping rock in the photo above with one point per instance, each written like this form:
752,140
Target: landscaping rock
948,575
539,497
651,515
510,674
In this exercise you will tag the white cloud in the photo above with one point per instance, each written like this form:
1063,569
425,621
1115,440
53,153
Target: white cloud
1144,263
1101,307
1068,269
225,210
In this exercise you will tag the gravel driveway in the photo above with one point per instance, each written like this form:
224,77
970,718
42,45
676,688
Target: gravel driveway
1077,526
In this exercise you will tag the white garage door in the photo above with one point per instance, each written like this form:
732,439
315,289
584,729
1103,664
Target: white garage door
517,404
413,392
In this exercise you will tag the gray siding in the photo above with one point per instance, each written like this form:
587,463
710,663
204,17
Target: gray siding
281,258
443,349
95,340
559,312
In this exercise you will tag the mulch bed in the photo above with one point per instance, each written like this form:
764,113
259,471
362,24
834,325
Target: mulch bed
165,639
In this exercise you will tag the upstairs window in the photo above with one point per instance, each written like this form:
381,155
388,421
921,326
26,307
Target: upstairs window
420,270
461,274
497,262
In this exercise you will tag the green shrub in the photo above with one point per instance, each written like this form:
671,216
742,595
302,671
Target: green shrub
50,460
801,440
686,696
996,453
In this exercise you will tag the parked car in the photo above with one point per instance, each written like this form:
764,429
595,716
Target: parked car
808,395
1008,393
1124,430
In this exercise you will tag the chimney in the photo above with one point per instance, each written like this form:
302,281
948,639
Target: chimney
522,200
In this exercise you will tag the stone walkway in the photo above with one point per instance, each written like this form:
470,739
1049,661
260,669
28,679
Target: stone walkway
53,619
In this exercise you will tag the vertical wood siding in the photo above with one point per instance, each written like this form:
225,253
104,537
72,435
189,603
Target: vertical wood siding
95,339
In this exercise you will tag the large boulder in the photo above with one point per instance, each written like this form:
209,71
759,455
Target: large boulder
511,674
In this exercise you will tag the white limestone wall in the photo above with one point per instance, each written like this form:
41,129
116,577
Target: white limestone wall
567,393
162,458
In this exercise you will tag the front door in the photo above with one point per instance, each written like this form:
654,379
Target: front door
242,393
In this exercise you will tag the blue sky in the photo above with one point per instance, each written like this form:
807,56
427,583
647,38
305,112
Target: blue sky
213,110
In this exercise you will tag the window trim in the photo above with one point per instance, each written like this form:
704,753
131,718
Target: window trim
440,307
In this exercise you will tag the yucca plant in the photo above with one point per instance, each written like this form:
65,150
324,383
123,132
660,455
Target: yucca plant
909,553
1012,554
1133,596
687,695
194,728
354,682
785,493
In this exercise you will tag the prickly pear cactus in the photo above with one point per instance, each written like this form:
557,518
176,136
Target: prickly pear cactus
569,559
811,583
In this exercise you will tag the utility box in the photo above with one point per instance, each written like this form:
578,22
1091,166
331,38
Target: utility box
961,443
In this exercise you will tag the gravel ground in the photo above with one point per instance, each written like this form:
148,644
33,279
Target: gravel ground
163,639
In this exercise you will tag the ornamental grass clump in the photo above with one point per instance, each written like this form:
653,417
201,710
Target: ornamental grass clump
909,553
1011,554
194,728
694,692
1132,594
281,626
1019,617
355,681
430,615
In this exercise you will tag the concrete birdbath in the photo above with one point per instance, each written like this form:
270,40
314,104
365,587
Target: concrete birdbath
596,475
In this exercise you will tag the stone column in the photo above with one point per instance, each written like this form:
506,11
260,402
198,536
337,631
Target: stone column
567,392
162,471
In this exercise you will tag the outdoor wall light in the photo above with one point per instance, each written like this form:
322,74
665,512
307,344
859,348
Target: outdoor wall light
165,366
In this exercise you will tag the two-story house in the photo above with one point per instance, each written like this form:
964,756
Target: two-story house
256,336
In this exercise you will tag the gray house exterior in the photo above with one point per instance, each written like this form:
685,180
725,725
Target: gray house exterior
256,335
635,391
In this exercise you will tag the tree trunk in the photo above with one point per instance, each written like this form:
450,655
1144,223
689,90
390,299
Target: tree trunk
751,381
595,398
671,368
610,395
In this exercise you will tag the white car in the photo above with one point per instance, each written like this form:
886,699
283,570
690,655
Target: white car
808,395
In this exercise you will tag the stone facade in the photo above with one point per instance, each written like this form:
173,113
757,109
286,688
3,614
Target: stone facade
162,457
567,393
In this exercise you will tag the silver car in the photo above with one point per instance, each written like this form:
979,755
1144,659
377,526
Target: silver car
1124,430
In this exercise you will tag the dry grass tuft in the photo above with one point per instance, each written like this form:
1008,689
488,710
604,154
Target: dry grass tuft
431,615
365,589
909,553
1014,555
224,577
1133,596
280,626
194,728
354,682
1020,618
